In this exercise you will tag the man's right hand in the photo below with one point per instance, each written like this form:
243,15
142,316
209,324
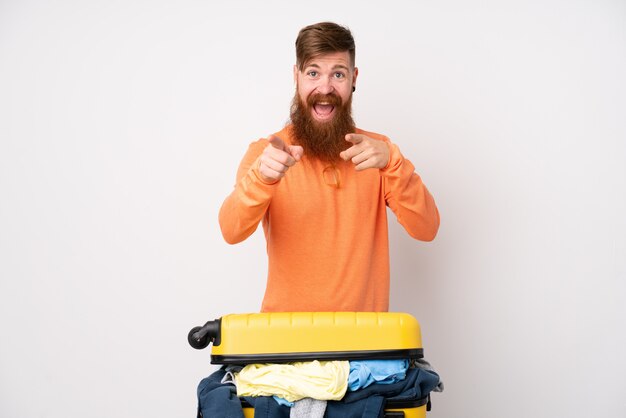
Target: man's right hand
277,158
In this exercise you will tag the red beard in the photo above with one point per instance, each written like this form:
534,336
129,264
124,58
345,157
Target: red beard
322,140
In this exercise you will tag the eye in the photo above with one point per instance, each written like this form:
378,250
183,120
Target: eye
339,75
312,73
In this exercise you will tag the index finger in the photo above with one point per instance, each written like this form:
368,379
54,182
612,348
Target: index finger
355,138
276,142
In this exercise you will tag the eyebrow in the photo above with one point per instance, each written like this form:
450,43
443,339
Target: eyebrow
336,67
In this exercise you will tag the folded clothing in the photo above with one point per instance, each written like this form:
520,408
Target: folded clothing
365,372
218,400
308,408
322,380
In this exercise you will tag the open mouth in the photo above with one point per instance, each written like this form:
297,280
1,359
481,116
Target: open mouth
323,110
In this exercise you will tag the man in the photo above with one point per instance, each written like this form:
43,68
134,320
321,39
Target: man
321,187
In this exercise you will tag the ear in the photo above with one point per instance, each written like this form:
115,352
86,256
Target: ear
355,73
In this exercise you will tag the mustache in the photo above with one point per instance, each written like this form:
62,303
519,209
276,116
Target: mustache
329,98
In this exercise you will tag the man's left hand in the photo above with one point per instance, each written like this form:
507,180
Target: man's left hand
366,152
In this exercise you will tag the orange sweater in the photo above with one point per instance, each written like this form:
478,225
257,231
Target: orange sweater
327,246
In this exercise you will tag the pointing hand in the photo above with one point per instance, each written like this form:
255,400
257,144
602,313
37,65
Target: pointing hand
366,152
277,158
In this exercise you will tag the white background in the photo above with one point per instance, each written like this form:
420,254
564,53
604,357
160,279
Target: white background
122,124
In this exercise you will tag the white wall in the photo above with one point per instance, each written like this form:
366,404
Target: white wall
121,127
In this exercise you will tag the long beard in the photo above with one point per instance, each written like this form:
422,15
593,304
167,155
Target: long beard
322,140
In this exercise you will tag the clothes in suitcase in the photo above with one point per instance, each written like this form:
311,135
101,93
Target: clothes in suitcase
243,339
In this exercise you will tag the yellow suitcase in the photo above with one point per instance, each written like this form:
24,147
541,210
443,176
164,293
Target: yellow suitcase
283,337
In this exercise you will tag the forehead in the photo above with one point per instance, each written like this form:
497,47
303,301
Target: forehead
330,60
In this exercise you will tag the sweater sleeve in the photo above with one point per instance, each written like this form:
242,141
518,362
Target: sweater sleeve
408,197
246,206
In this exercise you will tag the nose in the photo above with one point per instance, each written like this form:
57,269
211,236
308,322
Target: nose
325,85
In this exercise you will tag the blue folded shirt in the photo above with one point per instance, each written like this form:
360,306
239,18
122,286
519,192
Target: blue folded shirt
365,372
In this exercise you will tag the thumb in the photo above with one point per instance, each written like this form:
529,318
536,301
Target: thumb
296,151
276,142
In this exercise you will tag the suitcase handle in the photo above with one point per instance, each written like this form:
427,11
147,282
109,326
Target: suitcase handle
201,337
